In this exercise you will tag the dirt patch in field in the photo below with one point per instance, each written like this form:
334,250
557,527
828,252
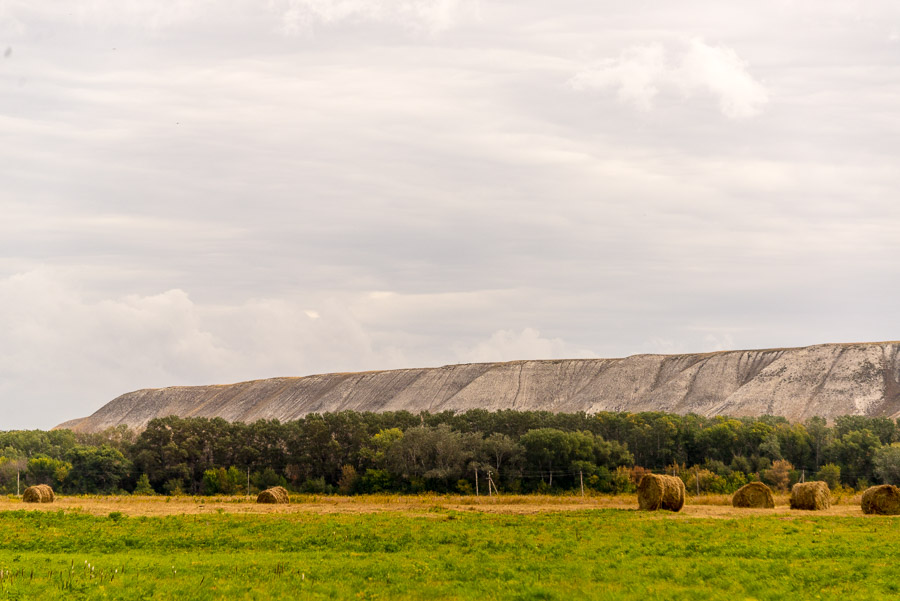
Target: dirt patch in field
696,507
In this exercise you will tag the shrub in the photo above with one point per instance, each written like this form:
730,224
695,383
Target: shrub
268,479
349,480
622,480
375,481
174,486
143,486
779,475
313,486
830,474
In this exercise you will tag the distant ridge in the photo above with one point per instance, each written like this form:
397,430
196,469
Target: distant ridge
824,380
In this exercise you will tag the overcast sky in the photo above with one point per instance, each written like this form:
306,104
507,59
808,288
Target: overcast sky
199,191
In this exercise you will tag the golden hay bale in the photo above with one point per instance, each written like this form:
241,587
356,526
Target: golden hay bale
47,493
276,494
883,500
660,492
38,494
266,496
32,494
281,493
810,495
756,495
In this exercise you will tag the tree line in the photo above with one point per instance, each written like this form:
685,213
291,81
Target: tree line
467,452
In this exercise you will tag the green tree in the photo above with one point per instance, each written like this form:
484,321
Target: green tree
771,446
143,486
887,464
820,437
500,451
855,452
219,481
96,469
830,474
439,455
547,450
46,470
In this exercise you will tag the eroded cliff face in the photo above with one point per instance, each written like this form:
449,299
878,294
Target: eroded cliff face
826,380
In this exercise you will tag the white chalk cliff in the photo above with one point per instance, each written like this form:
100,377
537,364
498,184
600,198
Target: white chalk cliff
825,380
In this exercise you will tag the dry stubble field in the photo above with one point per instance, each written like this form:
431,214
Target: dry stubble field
705,506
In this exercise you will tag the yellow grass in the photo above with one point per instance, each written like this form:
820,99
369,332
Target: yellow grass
703,506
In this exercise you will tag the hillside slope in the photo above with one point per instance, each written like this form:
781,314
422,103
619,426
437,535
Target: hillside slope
826,380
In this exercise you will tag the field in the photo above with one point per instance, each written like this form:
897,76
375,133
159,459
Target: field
434,547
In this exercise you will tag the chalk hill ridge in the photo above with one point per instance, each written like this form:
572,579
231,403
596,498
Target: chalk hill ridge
827,380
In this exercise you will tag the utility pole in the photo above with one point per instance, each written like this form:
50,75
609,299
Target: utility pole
17,483
477,494
581,478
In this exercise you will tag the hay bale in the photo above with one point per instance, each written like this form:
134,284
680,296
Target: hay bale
660,492
881,500
755,495
276,494
32,494
810,495
40,493
266,496
47,493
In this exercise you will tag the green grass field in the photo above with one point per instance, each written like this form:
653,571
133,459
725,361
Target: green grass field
444,554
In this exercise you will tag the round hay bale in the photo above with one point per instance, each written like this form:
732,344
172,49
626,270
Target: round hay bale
276,494
660,492
810,495
881,500
755,495
40,493
32,494
47,493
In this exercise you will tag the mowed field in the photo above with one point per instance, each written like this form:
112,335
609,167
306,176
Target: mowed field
441,547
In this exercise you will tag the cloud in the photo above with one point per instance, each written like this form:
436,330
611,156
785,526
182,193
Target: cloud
65,352
636,75
289,16
22,16
719,71
427,16
59,343
511,345
718,342
641,74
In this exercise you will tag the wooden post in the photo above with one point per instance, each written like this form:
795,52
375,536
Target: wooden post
477,494
17,483
581,478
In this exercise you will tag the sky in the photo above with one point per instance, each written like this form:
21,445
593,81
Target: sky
197,192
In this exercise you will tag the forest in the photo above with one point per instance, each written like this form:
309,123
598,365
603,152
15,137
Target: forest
472,452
